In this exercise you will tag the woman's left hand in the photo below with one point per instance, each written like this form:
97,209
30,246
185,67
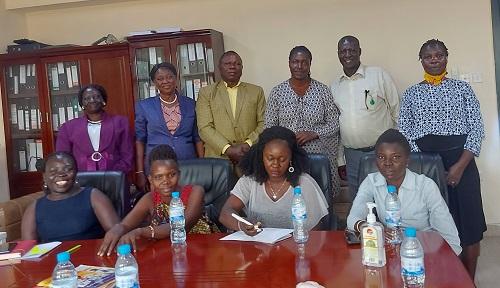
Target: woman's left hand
455,174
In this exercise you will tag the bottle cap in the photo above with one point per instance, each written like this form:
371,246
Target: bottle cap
410,232
297,190
63,257
391,188
123,249
175,194
370,218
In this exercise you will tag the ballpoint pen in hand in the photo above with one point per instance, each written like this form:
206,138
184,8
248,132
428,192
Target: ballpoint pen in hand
243,220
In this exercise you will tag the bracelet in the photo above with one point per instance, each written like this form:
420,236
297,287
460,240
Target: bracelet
356,226
139,172
152,231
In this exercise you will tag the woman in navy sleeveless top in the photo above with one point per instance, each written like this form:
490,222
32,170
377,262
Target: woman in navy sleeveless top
67,211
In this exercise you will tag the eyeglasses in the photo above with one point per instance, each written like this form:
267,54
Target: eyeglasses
438,57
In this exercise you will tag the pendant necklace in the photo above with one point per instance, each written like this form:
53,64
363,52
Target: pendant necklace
275,196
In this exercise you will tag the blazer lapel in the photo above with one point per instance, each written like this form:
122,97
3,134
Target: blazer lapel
106,135
240,100
159,114
82,133
222,92
184,112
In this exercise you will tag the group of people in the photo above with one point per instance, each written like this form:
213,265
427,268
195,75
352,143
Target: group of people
360,114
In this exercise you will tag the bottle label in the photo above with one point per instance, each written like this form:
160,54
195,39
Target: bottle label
370,245
126,281
176,213
393,218
412,266
298,213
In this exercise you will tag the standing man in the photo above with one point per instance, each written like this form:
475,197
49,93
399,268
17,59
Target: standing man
230,113
369,105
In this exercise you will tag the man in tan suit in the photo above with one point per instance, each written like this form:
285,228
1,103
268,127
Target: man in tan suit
230,113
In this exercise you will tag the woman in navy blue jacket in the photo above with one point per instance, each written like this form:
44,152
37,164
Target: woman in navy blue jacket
168,118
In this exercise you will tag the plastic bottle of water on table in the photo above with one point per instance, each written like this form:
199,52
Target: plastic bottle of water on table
177,221
64,275
393,216
299,217
412,260
126,269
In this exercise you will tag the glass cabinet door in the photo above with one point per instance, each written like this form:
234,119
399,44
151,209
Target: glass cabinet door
24,116
196,68
64,84
145,59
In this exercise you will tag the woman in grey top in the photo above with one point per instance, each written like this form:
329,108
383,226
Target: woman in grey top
422,205
264,194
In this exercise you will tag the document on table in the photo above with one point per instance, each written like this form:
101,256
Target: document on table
268,236
40,249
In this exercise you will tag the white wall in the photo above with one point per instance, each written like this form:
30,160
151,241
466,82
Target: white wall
263,32
12,26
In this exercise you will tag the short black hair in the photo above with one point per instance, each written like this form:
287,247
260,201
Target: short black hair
393,136
252,163
300,49
433,43
227,53
164,65
59,155
162,152
96,87
348,38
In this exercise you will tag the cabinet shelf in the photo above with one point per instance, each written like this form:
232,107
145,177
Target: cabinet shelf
36,134
64,92
23,95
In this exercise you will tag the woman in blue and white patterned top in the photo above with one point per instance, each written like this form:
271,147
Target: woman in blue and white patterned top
442,115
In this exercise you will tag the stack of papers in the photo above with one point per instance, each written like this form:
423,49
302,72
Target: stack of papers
268,236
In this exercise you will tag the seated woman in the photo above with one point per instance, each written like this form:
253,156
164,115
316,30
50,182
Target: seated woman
153,206
422,205
67,211
271,169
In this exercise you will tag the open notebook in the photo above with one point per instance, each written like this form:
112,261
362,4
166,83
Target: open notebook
268,236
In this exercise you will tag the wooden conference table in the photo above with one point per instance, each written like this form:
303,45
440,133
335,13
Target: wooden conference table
208,262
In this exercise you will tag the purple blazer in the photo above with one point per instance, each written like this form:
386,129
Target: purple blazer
115,144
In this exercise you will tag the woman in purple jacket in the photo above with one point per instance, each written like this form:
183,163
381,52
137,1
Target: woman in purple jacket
97,140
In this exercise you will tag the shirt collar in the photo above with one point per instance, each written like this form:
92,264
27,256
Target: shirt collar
379,180
359,73
237,85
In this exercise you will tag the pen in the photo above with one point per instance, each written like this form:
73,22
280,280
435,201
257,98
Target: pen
243,220
73,249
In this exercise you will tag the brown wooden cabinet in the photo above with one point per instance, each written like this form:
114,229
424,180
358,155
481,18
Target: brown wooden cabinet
39,88
39,93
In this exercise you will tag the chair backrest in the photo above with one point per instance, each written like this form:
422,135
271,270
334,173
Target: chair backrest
111,183
319,169
216,176
429,164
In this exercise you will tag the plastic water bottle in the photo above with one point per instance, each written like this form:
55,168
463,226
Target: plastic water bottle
64,275
126,269
393,215
412,260
299,217
177,221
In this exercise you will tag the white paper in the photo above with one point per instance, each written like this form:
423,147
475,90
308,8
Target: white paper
152,55
55,78
16,85
60,67
268,236
20,119
22,160
70,112
191,52
40,249
34,119
13,113
22,74
74,75
69,78
62,116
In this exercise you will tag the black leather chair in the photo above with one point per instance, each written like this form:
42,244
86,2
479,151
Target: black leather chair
319,169
113,184
429,164
216,176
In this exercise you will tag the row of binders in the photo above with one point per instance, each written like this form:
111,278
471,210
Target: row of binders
29,152
21,79
195,59
63,75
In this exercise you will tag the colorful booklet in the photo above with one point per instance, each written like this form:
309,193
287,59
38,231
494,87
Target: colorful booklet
17,249
90,276
40,249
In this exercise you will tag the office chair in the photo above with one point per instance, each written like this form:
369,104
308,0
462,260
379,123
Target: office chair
429,164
